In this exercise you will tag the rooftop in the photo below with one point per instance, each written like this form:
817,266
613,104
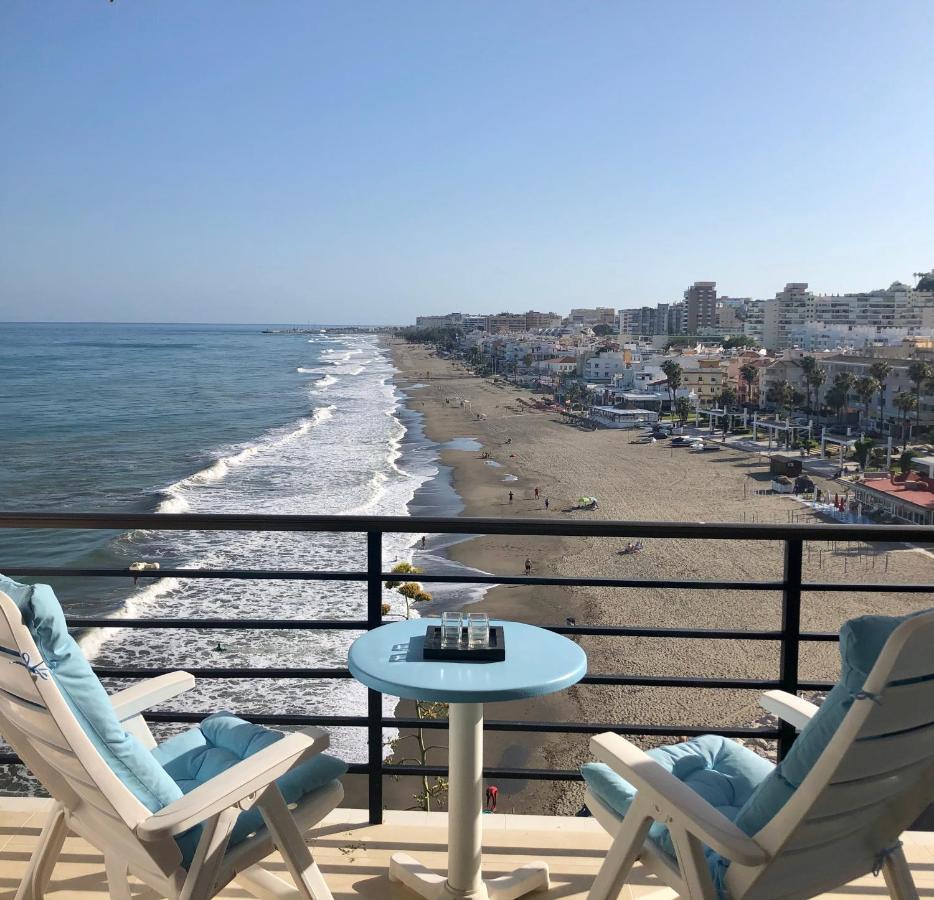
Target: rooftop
912,491
354,856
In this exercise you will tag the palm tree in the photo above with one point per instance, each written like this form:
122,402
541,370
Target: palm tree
866,388
880,371
809,366
778,392
673,372
905,403
919,372
749,374
845,382
815,380
835,398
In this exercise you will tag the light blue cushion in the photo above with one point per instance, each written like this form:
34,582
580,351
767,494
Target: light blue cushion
221,741
130,760
720,770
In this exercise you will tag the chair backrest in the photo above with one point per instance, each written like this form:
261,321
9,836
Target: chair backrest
869,785
37,722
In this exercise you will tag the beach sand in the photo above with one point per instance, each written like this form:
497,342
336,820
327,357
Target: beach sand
632,482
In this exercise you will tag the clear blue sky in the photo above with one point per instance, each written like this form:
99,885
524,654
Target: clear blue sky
239,160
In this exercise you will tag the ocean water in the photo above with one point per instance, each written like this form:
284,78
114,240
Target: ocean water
215,419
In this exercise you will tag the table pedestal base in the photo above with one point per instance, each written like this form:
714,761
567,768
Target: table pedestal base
432,886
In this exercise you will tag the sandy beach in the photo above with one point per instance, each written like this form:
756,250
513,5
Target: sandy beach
531,449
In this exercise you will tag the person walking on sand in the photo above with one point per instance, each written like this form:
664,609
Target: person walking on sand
510,496
546,503
528,566
536,493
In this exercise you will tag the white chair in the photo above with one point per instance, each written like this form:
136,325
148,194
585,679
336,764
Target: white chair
870,783
91,801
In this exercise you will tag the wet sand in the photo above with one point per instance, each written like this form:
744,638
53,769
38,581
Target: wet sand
632,482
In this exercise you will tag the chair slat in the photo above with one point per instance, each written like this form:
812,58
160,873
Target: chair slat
820,831
14,679
915,659
879,755
840,797
900,707
34,722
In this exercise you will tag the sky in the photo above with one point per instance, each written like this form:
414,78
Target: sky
364,162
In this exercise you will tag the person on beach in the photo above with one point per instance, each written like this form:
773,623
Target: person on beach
528,566
491,793
510,496
546,503
536,493
423,542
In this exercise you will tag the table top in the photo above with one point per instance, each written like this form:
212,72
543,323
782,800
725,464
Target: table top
389,659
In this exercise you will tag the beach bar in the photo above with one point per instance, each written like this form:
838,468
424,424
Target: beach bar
614,417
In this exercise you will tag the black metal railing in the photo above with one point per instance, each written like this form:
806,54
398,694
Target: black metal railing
788,636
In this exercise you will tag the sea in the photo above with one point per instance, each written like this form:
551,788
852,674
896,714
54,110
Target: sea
217,419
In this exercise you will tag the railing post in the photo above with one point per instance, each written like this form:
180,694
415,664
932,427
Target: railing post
791,633
374,618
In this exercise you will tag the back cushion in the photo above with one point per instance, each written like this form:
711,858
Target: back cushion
861,642
133,764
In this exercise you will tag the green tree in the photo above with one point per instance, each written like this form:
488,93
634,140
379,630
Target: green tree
739,340
808,366
905,403
920,372
727,398
682,409
602,330
844,382
749,375
904,461
880,371
862,448
674,373
865,389
835,398
815,380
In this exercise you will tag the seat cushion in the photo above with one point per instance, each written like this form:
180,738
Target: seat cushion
221,741
82,691
722,771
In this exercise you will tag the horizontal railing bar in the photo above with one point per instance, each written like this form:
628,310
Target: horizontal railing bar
227,624
467,578
117,672
468,525
492,772
232,574
518,725
270,673
867,587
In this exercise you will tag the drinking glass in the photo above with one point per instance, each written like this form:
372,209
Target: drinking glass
478,630
450,629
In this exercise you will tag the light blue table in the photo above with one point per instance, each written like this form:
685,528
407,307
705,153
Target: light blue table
538,662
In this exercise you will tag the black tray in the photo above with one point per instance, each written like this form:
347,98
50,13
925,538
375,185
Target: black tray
494,652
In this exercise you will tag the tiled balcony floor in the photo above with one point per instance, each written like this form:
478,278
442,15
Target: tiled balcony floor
355,856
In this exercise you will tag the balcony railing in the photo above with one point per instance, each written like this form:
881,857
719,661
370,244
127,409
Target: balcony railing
788,636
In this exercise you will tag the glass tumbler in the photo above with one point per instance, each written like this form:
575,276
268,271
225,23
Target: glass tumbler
478,630
450,629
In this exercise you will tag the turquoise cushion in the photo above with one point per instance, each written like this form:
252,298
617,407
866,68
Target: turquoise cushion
130,760
221,741
722,771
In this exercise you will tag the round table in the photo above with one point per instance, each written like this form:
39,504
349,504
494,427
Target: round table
538,662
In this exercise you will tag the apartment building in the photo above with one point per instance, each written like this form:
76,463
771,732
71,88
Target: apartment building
700,302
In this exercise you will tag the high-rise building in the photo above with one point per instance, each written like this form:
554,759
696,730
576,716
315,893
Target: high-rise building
700,301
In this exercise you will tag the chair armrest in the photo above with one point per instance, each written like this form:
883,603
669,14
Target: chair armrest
235,786
141,696
672,799
789,708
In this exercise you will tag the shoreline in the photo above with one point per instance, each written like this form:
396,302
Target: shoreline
632,482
